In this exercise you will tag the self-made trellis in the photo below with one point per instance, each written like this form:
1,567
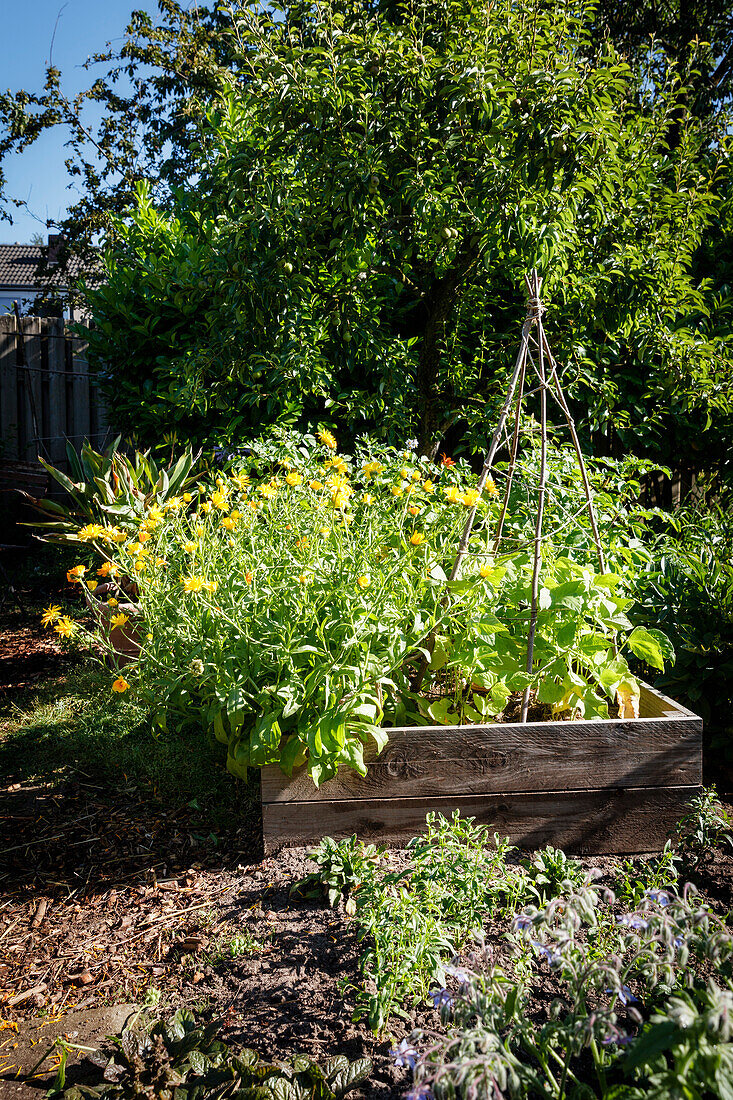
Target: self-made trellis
534,351
601,785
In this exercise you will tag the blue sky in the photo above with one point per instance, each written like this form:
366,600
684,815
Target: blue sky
84,26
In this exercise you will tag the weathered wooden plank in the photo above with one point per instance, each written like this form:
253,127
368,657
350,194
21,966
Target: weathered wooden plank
80,420
31,443
483,759
8,389
653,704
586,822
58,382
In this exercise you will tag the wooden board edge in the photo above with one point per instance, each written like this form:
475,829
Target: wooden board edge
648,814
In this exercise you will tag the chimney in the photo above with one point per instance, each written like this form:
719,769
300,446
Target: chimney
55,244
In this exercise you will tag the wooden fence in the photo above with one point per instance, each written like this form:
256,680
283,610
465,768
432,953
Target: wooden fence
47,393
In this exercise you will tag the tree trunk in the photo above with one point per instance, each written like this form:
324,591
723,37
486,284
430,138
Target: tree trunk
440,306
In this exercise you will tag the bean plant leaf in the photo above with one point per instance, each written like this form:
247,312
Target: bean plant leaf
647,646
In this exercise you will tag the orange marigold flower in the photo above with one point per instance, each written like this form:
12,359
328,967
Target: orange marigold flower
249,577
416,538
120,685
75,575
446,461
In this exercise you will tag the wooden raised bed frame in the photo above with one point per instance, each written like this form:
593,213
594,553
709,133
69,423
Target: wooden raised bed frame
609,786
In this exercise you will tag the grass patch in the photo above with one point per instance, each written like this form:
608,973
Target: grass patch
73,727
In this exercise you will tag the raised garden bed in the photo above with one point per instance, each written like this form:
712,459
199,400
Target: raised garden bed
608,786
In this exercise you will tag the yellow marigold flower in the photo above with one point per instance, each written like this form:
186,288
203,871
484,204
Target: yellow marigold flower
75,575
144,551
109,569
293,479
415,475
90,531
241,480
188,497
111,602
149,637
453,495
143,535
229,523
190,547
155,516
65,627
267,491
364,580
91,585
200,530
372,468
405,473
316,485
328,439
219,500
248,577
413,510
206,507
416,538
490,488
324,530
140,565
339,500
470,497
368,498
428,486
51,615
220,481
172,505
192,584
396,490
486,570
120,685
303,578
235,513
210,586
119,620
113,534
160,561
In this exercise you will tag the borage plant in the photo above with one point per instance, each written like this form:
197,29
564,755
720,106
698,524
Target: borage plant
301,604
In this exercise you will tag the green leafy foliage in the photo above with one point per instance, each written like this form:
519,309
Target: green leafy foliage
365,203
109,487
300,606
550,873
638,1020
342,868
685,587
704,828
183,1060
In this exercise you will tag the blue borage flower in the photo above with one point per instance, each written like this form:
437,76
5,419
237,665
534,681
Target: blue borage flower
523,922
441,998
553,957
419,1092
462,976
661,897
404,1055
631,920
625,996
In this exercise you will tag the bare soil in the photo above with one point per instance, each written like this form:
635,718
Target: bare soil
109,900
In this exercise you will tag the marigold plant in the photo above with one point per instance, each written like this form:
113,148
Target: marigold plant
299,615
